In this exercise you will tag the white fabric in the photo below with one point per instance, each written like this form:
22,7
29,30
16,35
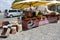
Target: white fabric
13,27
5,26
44,9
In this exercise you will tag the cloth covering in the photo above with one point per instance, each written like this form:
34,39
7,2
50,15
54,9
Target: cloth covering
42,22
52,19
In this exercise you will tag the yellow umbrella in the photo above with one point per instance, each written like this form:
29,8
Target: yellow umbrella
26,4
53,3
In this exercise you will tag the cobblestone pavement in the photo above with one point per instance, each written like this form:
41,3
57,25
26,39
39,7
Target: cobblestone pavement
45,32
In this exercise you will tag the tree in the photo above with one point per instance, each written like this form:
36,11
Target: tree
17,1
0,11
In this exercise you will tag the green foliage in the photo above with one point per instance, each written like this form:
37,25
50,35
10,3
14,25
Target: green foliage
40,13
17,1
0,11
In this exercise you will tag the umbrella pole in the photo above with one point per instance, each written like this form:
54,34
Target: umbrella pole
30,7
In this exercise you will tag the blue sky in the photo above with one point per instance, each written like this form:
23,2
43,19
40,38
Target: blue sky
5,4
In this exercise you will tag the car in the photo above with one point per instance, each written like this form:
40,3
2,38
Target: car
11,13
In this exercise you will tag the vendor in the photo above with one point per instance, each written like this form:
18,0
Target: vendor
34,14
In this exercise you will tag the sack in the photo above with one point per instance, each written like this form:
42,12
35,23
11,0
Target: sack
24,25
4,32
52,20
33,23
30,23
13,30
19,26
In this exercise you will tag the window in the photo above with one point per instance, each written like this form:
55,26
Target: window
58,8
19,11
12,10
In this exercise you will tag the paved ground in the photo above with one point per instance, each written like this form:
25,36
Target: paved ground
2,18
45,32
